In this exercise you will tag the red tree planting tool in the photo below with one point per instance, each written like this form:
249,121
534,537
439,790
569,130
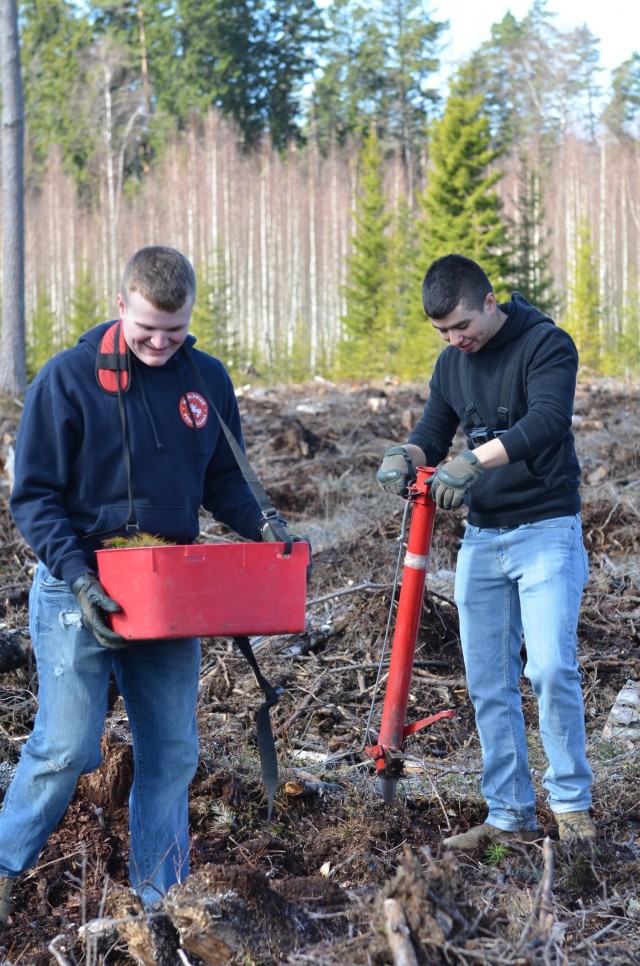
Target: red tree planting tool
393,730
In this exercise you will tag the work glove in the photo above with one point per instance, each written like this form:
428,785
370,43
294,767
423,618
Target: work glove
452,480
282,532
94,603
396,471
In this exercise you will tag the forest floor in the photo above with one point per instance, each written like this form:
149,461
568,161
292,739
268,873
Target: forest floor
339,877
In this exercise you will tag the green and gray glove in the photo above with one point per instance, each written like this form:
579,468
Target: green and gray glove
396,471
452,480
281,532
95,603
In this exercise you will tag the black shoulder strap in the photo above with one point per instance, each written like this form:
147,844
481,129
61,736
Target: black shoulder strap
268,510
264,733
515,348
507,382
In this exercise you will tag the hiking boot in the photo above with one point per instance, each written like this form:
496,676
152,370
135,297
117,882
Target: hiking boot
575,825
485,834
5,895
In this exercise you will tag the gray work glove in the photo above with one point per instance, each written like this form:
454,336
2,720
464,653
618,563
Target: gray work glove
281,532
94,603
396,471
452,480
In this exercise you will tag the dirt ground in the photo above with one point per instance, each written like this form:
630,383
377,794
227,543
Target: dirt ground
339,877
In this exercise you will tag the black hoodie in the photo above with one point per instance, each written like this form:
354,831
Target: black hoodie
543,475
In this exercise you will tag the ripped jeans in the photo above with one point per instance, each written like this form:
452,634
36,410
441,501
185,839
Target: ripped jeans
158,681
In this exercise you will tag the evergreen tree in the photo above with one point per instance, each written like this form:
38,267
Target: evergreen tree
218,61
347,92
292,356
42,335
86,309
377,62
462,212
530,255
364,347
412,348
249,59
622,114
295,29
622,353
146,29
210,322
55,42
535,78
82,92
584,315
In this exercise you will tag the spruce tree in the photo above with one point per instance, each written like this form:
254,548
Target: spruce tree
56,46
622,114
378,61
530,256
462,211
622,352
43,336
412,346
210,321
86,308
584,315
363,350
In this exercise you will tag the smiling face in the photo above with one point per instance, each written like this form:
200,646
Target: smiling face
153,335
470,329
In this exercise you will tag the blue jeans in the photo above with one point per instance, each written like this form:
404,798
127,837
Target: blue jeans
158,681
527,579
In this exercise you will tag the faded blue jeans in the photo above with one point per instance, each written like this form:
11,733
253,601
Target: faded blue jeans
527,579
158,681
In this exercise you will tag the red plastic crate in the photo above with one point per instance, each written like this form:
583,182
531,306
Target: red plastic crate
215,590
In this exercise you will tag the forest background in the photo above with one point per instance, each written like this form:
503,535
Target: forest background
307,162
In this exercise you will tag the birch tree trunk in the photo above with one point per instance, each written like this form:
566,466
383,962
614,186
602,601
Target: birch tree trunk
13,370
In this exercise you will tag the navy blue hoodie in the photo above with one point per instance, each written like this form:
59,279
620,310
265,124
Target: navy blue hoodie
71,492
543,475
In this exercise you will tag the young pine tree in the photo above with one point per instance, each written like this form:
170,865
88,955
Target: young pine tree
462,212
210,321
363,349
584,316
622,355
530,256
412,346
42,335
86,309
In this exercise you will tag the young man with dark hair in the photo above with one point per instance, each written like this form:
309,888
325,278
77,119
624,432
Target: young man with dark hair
508,379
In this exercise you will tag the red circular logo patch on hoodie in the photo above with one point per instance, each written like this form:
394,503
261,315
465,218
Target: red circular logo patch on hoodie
196,410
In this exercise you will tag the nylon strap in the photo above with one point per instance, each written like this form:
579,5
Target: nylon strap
264,733
505,391
266,744
268,510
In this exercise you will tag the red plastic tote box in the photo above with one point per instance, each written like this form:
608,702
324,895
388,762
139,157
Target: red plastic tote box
215,590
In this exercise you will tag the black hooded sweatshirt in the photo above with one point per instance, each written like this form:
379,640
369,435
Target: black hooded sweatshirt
542,477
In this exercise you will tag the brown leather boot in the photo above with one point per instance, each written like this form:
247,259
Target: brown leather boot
6,886
485,834
575,825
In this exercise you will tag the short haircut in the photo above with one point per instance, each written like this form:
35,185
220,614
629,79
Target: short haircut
450,280
162,275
